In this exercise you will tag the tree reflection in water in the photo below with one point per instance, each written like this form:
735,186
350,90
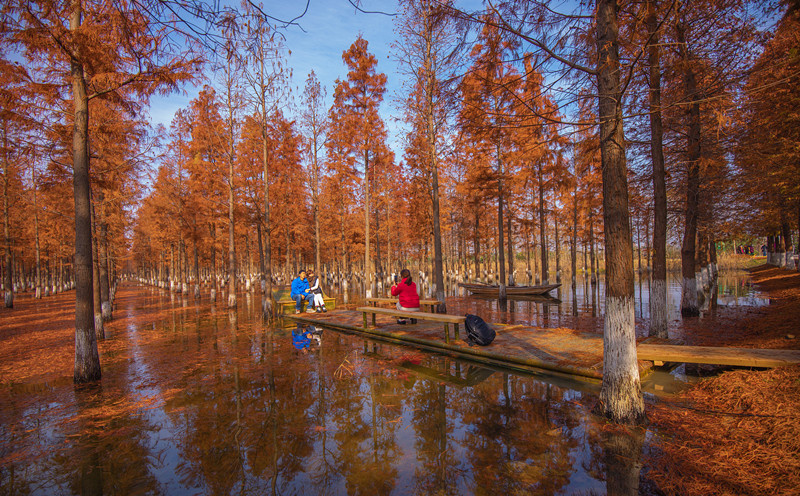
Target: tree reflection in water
197,400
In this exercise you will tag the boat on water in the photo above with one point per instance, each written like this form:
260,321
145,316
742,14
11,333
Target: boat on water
494,290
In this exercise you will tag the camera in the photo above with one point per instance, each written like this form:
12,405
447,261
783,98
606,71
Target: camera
396,279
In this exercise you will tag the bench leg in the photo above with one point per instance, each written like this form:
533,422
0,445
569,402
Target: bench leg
365,320
447,333
456,331
373,320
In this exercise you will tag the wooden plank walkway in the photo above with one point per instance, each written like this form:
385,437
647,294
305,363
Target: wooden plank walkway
742,357
561,351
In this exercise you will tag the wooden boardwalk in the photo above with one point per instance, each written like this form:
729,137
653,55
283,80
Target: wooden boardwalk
742,357
560,351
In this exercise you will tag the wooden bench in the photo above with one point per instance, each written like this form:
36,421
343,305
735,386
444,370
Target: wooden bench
435,317
286,305
431,303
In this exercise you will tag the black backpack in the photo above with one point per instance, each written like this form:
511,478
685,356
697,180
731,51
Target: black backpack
478,331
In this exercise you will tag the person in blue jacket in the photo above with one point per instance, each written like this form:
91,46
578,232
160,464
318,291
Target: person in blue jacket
300,291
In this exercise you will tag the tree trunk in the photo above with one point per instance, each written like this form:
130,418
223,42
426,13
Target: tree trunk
501,257
542,237
267,308
702,259
260,255
712,258
787,241
477,246
378,261
315,204
689,303
592,250
647,249
367,262
639,247
574,244
172,267
620,394
528,251
558,250
87,359
231,229
102,265
438,268
388,236
8,283
183,266
213,292
510,244
38,291
99,328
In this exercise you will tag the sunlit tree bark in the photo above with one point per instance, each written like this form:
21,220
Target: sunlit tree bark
620,395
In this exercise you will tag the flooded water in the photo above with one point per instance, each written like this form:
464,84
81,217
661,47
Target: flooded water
197,400
582,307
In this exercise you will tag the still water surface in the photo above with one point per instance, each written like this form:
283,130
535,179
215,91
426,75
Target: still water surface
582,307
197,400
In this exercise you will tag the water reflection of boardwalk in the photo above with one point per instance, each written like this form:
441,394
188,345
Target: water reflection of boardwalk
559,350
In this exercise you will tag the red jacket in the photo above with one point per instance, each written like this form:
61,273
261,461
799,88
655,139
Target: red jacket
407,294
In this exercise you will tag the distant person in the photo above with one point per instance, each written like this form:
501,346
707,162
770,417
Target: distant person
300,292
406,291
317,300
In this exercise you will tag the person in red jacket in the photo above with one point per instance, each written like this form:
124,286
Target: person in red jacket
406,292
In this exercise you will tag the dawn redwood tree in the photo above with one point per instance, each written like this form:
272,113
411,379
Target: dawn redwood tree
541,150
488,91
37,251
712,46
357,126
207,161
620,394
287,186
689,303
83,39
266,77
314,122
771,133
12,150
232,104
536,143
658,285
427,51
8,171
621,397
117,143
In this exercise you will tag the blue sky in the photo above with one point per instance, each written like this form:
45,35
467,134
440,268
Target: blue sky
328,28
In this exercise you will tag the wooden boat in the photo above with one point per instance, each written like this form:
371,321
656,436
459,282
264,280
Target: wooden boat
493,290
546,298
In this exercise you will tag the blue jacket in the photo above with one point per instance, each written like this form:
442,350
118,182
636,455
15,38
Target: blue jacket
301,340
299,287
